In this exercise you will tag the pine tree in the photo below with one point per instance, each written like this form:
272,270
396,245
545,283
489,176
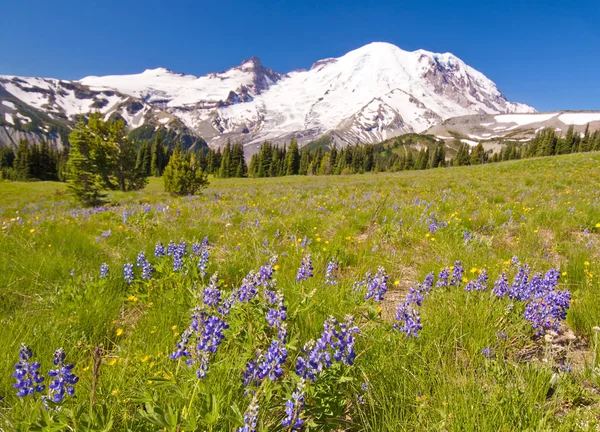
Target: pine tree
157,160
183,175
292,164
225,168
83,174
304,162
22,163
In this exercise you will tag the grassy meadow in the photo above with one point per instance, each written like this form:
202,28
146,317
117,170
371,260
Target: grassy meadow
476,365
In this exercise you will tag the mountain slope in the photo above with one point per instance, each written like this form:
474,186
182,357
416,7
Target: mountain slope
372,93
499,128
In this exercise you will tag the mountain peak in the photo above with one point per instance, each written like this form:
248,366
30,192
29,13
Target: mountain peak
160,71
251,62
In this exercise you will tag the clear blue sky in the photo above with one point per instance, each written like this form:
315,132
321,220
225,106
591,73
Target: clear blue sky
544,53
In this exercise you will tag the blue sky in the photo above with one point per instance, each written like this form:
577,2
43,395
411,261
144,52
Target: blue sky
544,53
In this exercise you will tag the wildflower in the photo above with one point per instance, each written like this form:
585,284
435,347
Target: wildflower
29,380
208,332
480,284
501,286
159,250
212,294
63,379
306,269
547,312
334,343
443,278
294,406
179,251
519,288
467,236
376,285
249,287
250,418
457,274
331,273
408,320
128,273
433,224
103,270
119,331
145,265
488,352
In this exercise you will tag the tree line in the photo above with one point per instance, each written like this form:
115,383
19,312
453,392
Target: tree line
33,162
103,157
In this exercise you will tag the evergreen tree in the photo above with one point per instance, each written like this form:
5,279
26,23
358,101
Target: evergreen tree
478,155
83,174
292,164
157,159
225,169
22,163
183,175
304,162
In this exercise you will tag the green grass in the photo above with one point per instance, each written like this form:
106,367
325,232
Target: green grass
536,209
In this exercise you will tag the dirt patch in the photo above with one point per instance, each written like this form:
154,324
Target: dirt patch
561,349
396,293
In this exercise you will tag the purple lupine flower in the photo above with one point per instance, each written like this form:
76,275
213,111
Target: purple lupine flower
488,352
519,288
306,269
480,284
333,343
63,379
128,273
376,285
202,250
103,271
443,278
147,268
249,287
416,295
27,375
265,273
159,250
514,260
408,320
208,332
106,234
467,236
457,274
305,242
275,316
501,286
171,248
250,418
433,224
179,251
293,408
331,273
212,294
547,312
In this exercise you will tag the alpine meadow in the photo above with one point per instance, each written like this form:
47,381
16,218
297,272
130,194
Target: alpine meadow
449,299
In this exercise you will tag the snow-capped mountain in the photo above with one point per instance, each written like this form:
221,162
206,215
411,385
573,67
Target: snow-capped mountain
492,129
370,94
